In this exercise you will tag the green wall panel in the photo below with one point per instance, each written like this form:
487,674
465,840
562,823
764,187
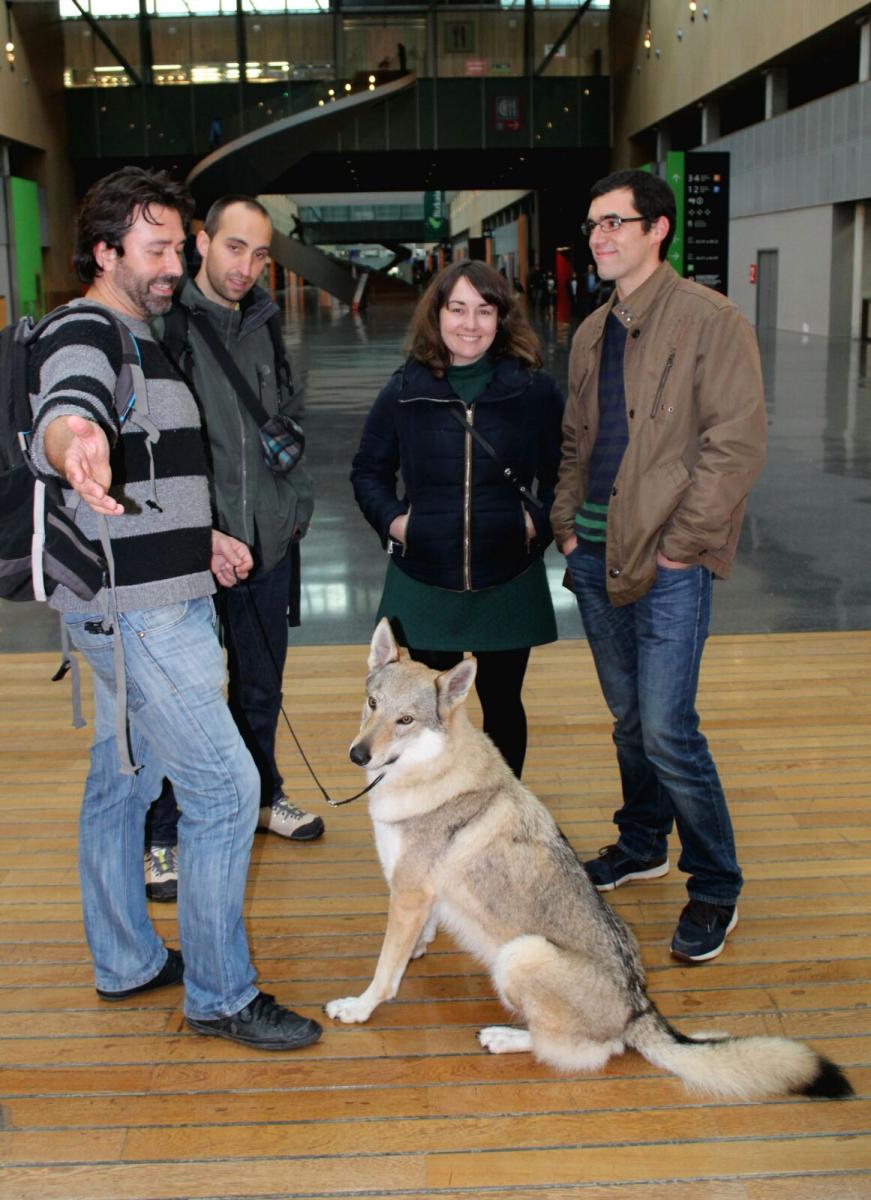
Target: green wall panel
28,246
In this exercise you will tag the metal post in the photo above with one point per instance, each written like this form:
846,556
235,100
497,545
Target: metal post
338,40
146,54
528,37
859,221
242,56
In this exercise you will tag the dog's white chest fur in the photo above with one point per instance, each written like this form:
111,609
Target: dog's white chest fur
388,843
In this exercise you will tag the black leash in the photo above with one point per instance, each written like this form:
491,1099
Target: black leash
251,608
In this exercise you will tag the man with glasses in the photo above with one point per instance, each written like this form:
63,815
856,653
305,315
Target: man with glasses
663,436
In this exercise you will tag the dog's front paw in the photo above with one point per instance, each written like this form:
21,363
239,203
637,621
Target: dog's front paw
350,1010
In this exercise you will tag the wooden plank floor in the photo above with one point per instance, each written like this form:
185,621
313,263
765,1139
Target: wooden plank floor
117,1101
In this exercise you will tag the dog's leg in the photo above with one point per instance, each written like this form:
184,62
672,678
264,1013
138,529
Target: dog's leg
430,929
573,1013
503,1039
405,919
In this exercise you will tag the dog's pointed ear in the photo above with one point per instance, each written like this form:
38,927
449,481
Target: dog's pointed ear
383,648
453,686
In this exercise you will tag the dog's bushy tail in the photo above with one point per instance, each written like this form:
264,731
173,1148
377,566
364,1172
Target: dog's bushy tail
738,1067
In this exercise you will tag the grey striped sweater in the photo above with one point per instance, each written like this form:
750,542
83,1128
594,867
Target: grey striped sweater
161,553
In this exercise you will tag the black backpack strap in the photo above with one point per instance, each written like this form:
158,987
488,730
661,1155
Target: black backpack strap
175,341
130,379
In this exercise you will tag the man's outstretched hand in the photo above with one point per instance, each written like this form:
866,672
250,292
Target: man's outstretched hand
79,450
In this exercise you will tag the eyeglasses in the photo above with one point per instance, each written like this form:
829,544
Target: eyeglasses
607,224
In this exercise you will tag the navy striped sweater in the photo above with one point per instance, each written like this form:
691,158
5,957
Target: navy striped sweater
591,523
162,553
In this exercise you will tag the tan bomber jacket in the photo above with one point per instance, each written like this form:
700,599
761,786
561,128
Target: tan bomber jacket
696,415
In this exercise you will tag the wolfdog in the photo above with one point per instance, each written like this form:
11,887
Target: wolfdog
465,846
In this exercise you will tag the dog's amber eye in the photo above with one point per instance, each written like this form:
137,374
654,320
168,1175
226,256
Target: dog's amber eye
371,701
406,720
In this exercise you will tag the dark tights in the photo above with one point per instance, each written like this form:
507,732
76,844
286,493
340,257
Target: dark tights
498,682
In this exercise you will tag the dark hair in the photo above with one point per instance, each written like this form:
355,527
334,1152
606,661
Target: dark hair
514,335
111,206
651,196
212,222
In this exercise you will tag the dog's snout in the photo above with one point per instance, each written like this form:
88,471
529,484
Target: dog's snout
359,754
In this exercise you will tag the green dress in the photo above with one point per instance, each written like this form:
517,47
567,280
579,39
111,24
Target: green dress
507,616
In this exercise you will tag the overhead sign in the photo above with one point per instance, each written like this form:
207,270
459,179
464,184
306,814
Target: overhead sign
435,216
507,114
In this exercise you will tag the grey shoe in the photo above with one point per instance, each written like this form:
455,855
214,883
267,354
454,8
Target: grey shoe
161,873
288,821
262,1024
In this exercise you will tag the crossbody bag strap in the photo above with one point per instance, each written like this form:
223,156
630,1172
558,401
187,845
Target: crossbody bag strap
507,472
222,356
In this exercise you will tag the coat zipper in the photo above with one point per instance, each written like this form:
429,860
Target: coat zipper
467,505
665,374
467,478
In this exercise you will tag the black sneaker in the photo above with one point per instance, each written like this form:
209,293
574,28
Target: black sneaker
171,972
262,1024
613,868
701,931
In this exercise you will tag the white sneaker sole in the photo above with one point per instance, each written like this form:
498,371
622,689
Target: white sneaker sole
651,873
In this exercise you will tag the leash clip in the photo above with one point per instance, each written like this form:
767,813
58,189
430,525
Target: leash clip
339,803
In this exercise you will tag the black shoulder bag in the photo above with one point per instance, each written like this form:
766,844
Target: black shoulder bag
281,438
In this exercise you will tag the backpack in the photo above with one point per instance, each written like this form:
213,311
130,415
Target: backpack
40,545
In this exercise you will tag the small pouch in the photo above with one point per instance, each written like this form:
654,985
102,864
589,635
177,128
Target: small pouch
283,443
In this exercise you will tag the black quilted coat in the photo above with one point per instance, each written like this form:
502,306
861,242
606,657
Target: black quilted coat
466,528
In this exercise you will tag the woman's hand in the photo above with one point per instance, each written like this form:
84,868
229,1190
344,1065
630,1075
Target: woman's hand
398,527
530,527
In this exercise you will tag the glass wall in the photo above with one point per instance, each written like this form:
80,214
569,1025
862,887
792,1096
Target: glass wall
197,41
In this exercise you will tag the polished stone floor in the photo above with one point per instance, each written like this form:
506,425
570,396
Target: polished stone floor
803,563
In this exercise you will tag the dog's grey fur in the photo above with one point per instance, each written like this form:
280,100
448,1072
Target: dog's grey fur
464,845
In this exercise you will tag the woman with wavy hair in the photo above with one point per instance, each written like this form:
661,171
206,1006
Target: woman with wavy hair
472,425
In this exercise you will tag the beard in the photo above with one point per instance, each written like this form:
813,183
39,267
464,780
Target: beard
143,300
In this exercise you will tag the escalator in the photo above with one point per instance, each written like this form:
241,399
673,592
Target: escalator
251,164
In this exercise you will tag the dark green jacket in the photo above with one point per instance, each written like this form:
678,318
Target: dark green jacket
249,501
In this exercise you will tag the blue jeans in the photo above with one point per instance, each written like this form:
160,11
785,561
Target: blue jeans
647,657
255,633
181,728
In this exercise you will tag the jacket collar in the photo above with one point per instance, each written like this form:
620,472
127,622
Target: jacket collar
255,308
510,377
631,311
